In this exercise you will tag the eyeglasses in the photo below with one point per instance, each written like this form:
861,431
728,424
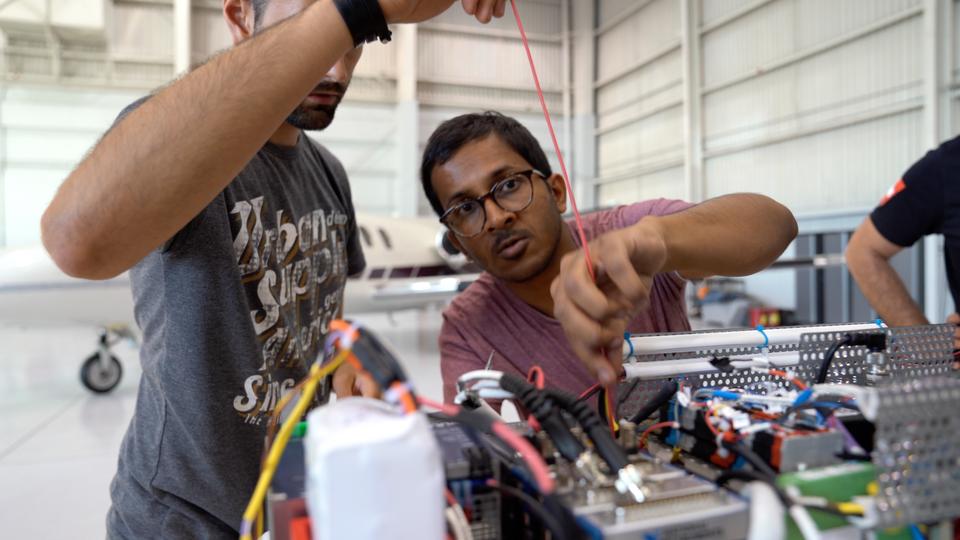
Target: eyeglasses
513,194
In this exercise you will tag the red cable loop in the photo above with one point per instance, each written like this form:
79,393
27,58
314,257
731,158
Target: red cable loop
566,177
556,145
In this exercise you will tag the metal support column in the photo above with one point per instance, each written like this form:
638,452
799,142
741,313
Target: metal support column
406,187
584,148
692,104
182,45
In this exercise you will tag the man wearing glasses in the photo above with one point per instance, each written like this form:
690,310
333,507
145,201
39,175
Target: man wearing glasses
490,182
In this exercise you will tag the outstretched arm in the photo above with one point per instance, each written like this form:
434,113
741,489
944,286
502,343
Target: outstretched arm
731,235
165,161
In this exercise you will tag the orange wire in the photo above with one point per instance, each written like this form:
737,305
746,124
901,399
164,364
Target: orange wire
784,375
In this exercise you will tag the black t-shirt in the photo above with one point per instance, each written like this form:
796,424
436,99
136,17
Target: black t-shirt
927,201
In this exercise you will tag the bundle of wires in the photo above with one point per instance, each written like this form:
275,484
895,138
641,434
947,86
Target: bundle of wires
554,516
546,406
346,342
731,439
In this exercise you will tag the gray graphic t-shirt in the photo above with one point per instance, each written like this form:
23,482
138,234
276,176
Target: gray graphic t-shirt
234,310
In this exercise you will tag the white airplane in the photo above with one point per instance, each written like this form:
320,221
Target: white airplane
409,265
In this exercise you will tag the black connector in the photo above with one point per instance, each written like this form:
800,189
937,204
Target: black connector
377,360
873,341
603,441
542,407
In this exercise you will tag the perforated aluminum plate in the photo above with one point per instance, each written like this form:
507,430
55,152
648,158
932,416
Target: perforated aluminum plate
914,352
917,451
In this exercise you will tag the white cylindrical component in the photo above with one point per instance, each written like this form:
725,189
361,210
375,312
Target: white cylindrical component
766,513
691,366
673,343
373,473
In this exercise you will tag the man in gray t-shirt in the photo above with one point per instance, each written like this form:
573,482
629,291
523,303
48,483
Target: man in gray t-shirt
240,233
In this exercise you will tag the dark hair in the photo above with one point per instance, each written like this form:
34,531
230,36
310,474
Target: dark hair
259,6
457,132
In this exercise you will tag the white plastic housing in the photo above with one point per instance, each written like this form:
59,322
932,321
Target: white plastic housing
373,473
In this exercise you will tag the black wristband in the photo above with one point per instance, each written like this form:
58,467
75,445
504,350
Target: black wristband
365,20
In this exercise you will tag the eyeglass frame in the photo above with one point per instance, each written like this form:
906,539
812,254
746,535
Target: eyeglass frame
527,174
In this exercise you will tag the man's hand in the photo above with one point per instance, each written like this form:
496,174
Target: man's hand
594,316
347,381
954,319
414,11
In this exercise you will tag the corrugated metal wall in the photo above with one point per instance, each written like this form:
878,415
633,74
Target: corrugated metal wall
43,133
461,67
818,103
639,101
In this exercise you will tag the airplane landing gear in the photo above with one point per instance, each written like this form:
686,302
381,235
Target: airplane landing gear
101,376
101,371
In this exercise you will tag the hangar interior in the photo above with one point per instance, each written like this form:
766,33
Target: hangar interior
820,104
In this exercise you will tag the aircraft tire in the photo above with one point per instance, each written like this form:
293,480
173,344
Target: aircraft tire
100,380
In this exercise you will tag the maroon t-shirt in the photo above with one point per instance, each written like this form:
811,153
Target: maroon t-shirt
487,317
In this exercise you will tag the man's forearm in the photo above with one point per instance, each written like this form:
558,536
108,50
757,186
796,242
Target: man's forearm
163,163
733,235
884,289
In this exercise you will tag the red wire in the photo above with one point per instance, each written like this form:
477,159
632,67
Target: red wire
589,391
651,429
538,468
535,376
451,500
563,168
553,136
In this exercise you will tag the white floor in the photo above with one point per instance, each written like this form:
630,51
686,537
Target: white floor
59,442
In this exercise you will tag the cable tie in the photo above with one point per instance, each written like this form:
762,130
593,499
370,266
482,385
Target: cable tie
880,323
392,394
766,339
803,397
722,364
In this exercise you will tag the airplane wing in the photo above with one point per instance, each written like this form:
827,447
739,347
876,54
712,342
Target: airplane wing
425,290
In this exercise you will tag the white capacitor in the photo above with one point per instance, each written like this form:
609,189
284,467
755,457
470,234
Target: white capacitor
373,473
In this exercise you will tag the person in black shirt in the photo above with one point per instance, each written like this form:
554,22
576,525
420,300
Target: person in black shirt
925,201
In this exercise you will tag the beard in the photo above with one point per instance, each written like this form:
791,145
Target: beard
312,118
317,117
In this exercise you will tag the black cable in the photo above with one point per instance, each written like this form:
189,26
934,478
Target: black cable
663,395
536,508
604,442
602,402
874,341
547,413
738,448
751,457
828,357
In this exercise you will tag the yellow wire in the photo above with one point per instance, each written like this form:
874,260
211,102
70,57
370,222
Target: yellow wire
850,508
314,377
